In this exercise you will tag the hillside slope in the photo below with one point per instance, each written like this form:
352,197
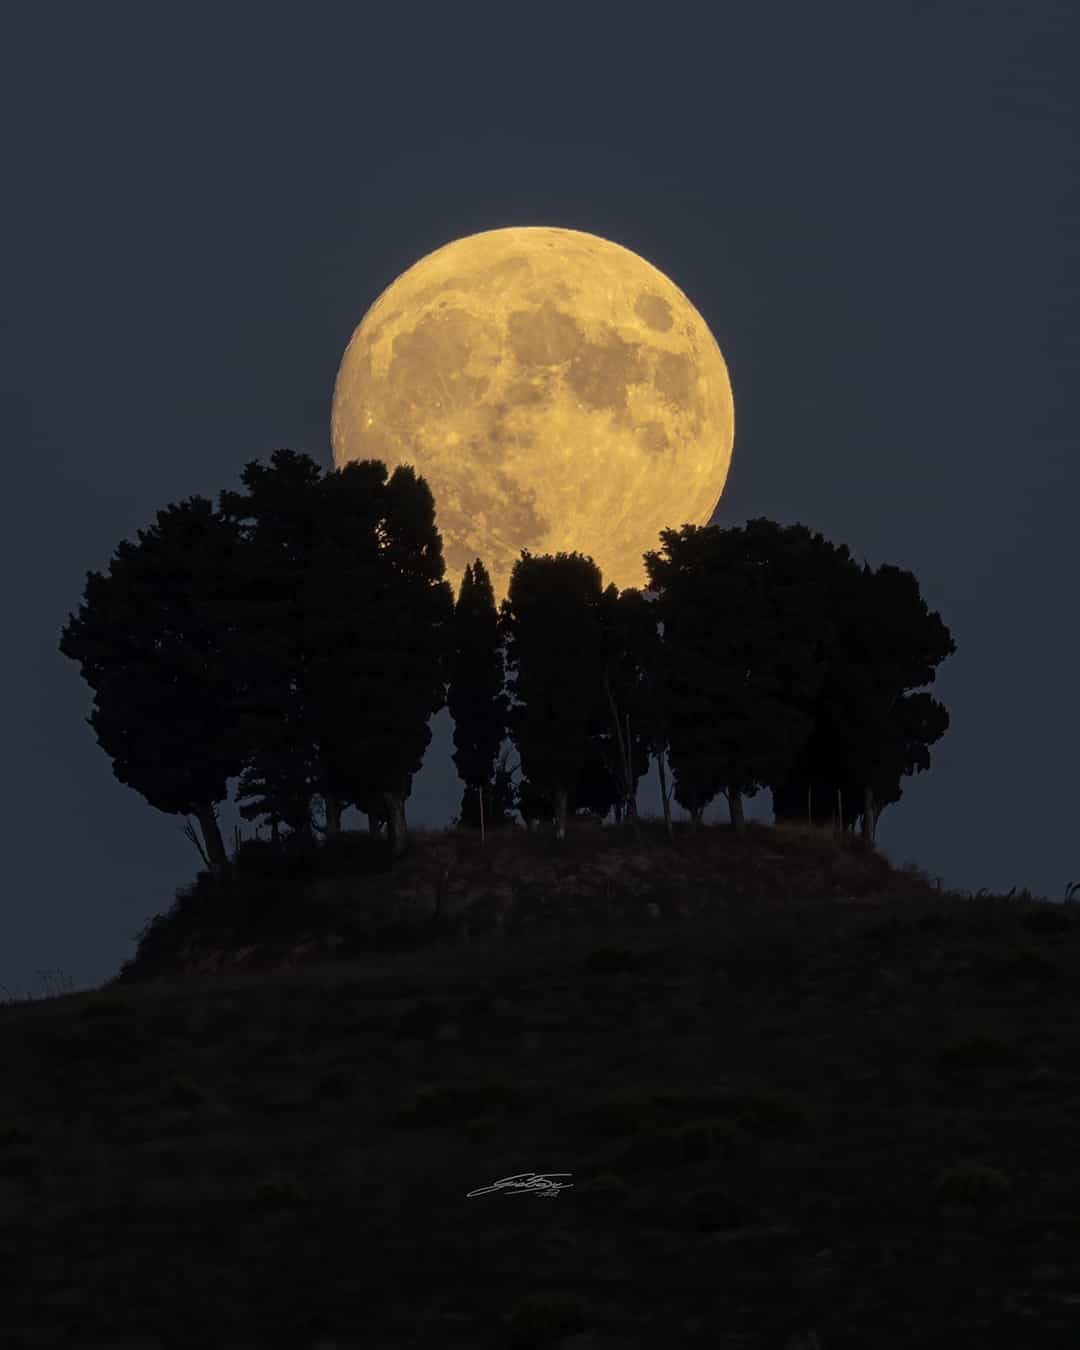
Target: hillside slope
850,1122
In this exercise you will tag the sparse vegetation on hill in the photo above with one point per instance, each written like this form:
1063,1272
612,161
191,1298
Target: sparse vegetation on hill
795,1092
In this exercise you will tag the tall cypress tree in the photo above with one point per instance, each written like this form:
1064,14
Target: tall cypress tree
475,695
552,631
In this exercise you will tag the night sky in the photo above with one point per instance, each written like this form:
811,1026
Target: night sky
873,207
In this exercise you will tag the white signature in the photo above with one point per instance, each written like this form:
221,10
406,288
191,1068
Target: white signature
526,1183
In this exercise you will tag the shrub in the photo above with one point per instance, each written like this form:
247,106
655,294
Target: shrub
289,860
354,851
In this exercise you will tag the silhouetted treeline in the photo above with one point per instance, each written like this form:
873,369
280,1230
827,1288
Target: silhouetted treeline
300,637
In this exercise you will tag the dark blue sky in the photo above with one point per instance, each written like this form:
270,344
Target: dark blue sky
873,207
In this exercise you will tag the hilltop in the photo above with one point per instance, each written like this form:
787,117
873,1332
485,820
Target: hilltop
347,900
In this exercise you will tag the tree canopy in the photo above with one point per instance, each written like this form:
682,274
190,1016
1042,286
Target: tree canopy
157,640
744,624
297,639
300,638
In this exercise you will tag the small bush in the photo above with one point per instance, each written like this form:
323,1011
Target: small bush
972,1184
354,851
263,860
539,1319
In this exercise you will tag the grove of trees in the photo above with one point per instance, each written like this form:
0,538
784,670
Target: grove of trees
300,637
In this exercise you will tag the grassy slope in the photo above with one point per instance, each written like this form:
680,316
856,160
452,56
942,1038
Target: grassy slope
782,1109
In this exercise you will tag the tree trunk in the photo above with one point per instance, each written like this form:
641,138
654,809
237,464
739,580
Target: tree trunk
395,822
868,822
620,745
215,846
631,785
664,793
617,808
333,815
696,812
735,806
560,813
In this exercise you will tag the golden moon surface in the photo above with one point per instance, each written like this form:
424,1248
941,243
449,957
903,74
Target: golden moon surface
557,392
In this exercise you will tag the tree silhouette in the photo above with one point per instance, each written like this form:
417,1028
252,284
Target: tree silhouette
158,642
475,695
869,730
386,640
279,517
743,625
550,625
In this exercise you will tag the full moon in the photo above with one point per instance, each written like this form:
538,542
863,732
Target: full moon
557,392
